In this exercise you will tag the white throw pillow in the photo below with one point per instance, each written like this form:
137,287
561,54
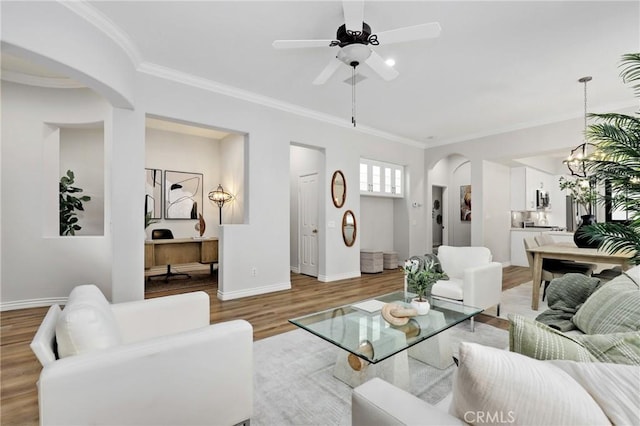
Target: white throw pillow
86,323
615,387
496,386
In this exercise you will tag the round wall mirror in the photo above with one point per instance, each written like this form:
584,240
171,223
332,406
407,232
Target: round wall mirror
349,228
338,189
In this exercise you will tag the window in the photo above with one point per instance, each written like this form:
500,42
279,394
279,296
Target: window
364,178
381,179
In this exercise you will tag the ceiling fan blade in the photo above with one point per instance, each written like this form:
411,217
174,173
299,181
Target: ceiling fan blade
328,71
298,44
416,32
353,14
383,70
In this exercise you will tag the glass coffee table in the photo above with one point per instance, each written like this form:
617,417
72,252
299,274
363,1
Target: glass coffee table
375,348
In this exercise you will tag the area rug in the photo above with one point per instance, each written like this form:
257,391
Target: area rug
517,300
294,383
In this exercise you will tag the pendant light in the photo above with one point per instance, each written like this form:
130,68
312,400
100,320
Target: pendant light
576,160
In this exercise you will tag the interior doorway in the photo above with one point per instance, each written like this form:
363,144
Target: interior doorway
308,224
307,187
437,216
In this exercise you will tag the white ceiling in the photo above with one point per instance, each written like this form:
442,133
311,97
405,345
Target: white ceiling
497,65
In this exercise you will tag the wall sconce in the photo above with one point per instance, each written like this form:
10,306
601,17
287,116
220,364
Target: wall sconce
220,197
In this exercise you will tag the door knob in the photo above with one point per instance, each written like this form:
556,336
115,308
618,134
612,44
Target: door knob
315,231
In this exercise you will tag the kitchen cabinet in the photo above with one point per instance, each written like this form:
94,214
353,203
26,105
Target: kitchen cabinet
381,179
524,183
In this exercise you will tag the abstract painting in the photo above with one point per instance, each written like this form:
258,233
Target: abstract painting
182,195
153,193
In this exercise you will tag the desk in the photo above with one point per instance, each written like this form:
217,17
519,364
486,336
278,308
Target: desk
180,250
568,251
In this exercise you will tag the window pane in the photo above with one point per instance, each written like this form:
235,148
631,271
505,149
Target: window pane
363,177
387,180
375,178
398,183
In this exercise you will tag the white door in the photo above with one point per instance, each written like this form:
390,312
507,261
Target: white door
308,223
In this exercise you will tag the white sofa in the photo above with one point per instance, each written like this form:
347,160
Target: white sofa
474,279
149,362
494,386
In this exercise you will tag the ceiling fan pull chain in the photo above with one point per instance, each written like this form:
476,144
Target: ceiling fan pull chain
353,95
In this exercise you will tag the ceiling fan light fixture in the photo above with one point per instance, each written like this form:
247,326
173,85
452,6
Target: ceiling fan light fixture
354,54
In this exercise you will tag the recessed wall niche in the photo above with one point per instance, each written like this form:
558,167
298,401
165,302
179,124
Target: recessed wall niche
216,156
82,151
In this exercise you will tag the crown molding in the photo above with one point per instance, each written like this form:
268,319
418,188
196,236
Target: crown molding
245,95
106,25
532,124
111,30
33,80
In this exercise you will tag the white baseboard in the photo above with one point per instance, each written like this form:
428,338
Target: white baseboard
337,277
295,269
230,295
32,303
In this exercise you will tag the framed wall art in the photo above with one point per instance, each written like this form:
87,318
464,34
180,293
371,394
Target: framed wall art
153,193
182,195
465,203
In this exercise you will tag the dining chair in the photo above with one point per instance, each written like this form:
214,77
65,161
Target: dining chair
552,268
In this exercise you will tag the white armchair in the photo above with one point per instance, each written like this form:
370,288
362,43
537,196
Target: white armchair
474,279
149,362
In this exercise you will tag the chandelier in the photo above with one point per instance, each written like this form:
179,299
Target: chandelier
578,156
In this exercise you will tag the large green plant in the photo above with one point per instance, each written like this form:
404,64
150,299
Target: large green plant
617,161
69,204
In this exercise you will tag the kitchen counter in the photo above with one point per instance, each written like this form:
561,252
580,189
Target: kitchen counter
518,254
552,230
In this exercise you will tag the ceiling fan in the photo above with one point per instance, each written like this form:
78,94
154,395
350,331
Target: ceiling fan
355,38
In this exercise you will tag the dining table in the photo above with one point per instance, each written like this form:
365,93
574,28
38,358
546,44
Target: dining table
569,251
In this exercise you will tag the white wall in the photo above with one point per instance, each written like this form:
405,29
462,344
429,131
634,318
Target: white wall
186,153
55,37
376,227
82,152
495,214
39,266
233,178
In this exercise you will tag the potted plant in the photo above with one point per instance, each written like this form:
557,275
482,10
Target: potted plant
69,204
617,141
420,281
583,191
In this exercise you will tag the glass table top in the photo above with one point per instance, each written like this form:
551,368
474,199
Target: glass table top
360,329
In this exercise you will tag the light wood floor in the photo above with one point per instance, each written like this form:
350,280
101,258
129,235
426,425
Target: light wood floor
269,314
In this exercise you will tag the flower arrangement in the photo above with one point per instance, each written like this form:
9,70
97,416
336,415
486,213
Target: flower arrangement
420,280
582,190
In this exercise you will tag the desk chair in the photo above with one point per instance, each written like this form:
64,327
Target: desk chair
552,268
165,234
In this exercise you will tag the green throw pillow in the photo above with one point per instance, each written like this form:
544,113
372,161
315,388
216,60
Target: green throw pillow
613,308
616,348
537,340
